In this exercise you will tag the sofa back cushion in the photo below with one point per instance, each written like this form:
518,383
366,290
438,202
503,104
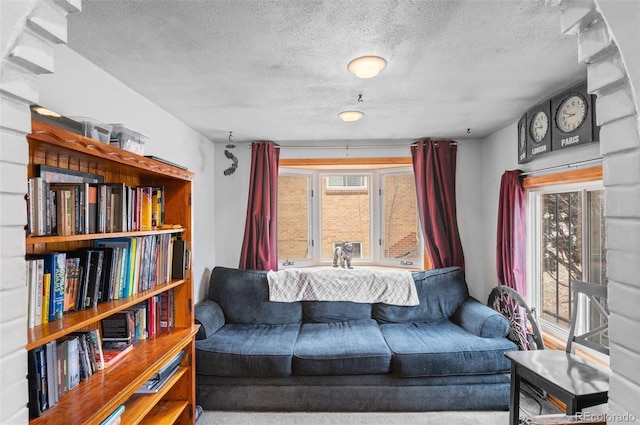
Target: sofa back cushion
243,296
334,311
440,291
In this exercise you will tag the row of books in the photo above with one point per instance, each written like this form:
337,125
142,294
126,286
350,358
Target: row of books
82,208
59,366
140,322
66,281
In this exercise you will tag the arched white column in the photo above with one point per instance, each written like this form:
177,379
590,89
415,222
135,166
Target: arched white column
30,29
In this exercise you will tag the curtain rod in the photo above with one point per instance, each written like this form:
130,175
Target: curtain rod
561,167
348,146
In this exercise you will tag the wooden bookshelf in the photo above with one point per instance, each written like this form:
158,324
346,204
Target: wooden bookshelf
95,398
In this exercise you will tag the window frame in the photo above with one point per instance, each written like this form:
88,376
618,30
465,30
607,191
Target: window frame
584,180
359,166
311,206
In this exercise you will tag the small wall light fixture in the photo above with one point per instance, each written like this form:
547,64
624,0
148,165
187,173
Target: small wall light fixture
367,66
350,115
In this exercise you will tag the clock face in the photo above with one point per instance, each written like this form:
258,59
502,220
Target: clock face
539,126
571,113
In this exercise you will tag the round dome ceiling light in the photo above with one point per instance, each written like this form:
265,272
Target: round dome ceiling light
348,116
367,66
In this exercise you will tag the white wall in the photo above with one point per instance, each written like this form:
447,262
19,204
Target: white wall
79,88
232,193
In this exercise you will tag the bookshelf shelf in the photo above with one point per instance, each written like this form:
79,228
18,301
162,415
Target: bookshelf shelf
83,319
95,398
137,407
36,240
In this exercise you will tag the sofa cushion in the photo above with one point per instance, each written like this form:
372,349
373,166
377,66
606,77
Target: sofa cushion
248,351
341,348
334,311
440,291
443,348
243,296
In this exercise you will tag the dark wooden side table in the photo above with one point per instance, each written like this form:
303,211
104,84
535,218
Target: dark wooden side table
575,381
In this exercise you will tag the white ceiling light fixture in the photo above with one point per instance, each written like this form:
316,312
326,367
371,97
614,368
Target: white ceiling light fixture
348,116
367,66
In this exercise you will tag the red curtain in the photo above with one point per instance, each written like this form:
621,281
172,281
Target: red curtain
510,246
259,247
434,167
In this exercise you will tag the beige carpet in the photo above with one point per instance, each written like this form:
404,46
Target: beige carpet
371,418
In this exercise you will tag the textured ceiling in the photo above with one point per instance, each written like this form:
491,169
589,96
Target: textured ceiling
277,70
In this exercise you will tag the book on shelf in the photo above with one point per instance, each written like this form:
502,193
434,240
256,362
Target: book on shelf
157,381
124,272
28,197
72,360
72,202
95,277
116,207
37,381
119,327
157,206
55,265
146,208
113,352
108,275
85,357
72,282
181,258
92,208
61,366
35,282
96,348
115,417
71,208
46,297
37,205
78,292
51,353
166,309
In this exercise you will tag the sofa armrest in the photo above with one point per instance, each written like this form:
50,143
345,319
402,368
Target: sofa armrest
481,320
210,317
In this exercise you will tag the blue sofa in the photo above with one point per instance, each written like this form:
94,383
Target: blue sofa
447,353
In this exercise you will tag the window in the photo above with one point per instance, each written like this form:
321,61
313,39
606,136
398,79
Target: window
294,207
346,182
375,210
401,224
345,215
566,236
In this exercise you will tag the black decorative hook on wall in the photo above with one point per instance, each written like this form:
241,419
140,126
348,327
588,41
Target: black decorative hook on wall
231,156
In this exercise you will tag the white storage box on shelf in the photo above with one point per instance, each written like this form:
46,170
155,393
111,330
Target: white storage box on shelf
94,129
128,139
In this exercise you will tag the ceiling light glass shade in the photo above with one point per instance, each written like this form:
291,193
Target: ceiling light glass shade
367,66
350,115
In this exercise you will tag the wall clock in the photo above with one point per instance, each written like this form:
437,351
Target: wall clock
522,140
539,129
573,118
